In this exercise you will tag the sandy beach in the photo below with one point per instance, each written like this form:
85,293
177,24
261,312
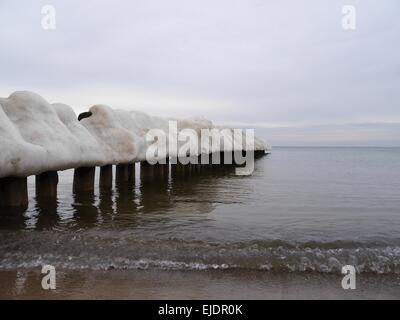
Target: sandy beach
161,284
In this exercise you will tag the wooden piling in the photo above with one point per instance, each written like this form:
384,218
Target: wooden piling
131,172
147,171
84,179
14,192
46,184
106,177
259,153
179,170
122,173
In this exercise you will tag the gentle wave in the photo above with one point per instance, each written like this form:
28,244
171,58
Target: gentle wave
88,251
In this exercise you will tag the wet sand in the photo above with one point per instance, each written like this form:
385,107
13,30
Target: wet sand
218,284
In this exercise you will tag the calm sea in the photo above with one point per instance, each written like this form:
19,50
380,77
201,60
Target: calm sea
303,209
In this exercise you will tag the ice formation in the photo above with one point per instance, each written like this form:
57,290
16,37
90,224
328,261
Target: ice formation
116,142
36,136
43,142
91,151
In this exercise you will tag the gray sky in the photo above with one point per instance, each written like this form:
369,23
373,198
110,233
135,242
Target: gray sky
286,67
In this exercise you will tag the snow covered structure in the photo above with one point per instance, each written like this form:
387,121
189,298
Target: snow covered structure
37,137
91,151
44,143
117,144
139,124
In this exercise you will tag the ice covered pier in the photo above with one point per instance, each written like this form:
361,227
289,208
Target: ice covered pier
38,138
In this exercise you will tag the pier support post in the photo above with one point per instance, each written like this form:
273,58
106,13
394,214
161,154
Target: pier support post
199,165
147,171
158,171
215,159
226,158
177,170
194,164
14,192
259,153
205,162
161,171
198,168
125,172
84,179
131,172
106,176
181,170
46,184
189,169
166,168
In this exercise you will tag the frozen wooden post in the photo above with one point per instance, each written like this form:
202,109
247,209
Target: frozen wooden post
194,164
166,168
226,158
205,161
124,173
161,171
84,179
177,169
131,172
106,176
147,171
185,170
46,184
237,157
198,166
259,153
14,192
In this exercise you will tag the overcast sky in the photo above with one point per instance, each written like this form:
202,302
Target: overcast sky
286,67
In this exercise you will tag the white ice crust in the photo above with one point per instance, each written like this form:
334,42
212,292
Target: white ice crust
36,136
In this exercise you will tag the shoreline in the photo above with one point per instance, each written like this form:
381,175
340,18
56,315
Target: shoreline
211,284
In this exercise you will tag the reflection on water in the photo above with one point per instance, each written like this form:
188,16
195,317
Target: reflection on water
156,192
85,210
303,209
47,213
